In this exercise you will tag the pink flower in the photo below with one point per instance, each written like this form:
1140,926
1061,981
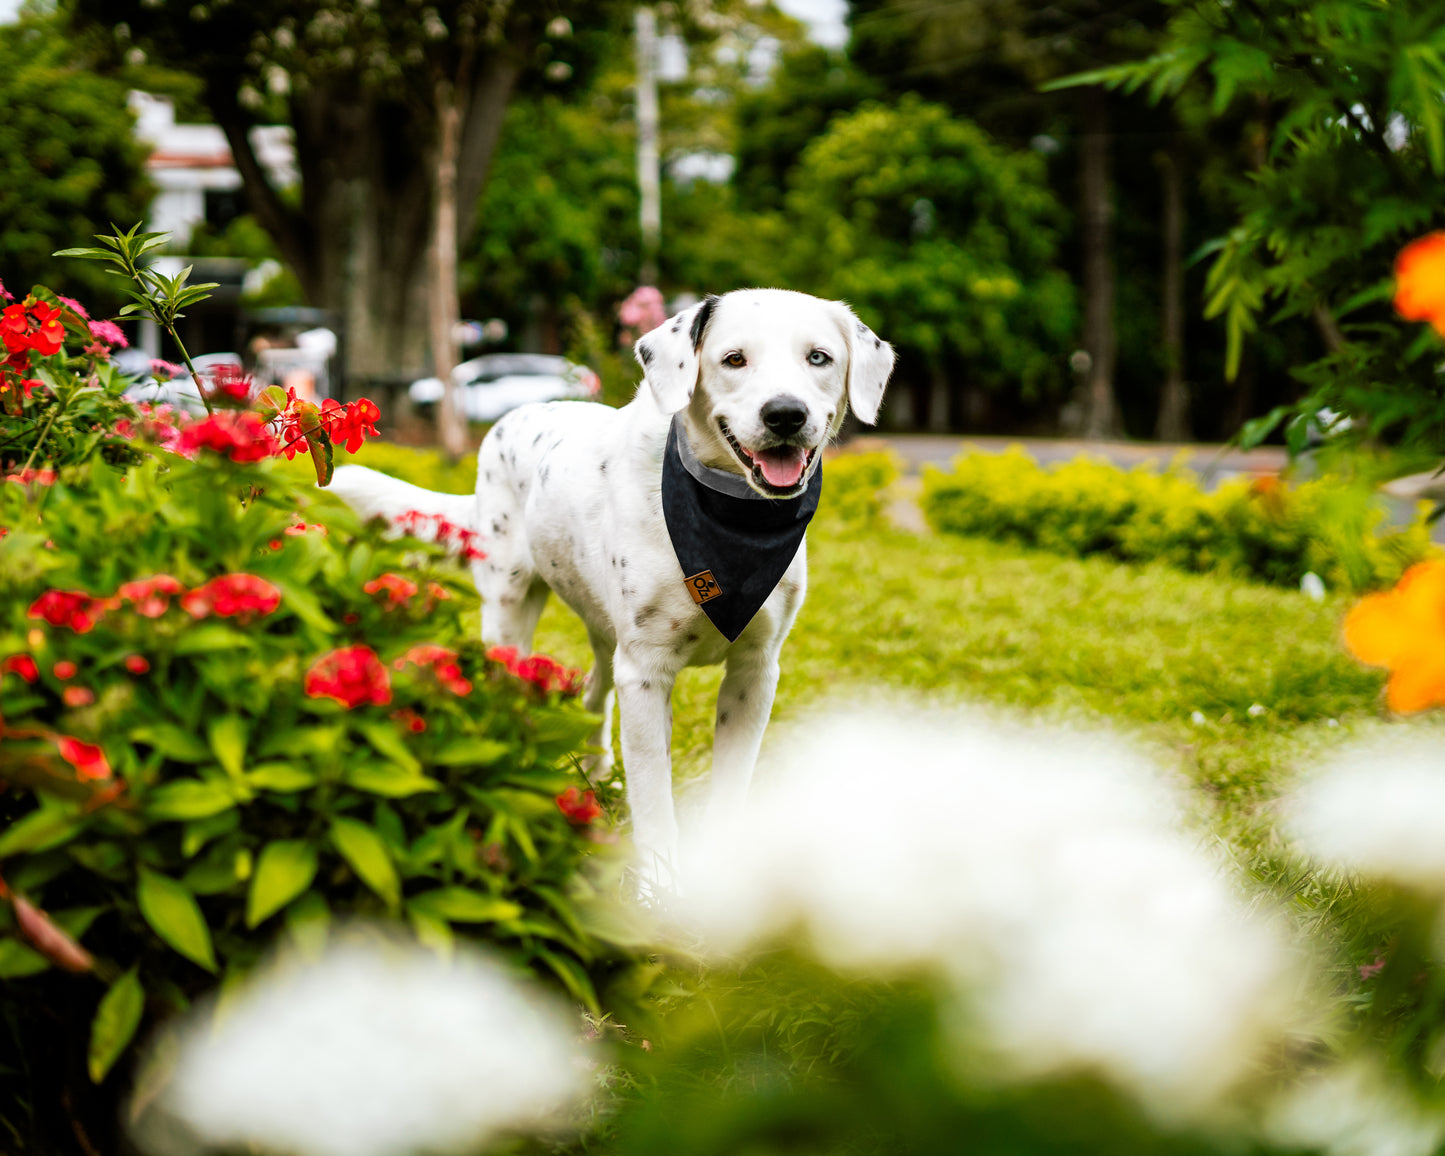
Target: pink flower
643,310
74,306
78,696
111,334
165,370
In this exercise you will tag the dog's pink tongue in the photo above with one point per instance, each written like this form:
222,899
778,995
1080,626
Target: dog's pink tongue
782,466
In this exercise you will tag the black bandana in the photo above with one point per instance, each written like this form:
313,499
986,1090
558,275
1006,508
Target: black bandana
733,544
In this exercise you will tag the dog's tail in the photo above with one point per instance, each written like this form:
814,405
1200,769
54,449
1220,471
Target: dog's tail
372,495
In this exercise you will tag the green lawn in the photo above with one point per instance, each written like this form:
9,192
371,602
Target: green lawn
1139,648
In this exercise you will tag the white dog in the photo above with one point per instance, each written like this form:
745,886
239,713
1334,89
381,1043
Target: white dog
570,499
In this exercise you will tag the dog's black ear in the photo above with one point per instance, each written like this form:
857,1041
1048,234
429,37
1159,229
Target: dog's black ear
669,355
870,361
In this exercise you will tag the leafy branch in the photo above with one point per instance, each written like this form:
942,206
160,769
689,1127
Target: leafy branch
156,296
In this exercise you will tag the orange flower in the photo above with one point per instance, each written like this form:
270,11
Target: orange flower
1420,281
1404,629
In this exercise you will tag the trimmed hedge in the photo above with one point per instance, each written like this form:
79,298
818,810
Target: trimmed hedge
1264,529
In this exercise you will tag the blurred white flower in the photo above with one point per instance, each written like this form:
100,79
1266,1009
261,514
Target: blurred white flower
377,1048
1353,1110
1378,810
1048,872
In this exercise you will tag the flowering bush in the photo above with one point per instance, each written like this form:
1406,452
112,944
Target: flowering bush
257,714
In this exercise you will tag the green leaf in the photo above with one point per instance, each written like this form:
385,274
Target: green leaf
461,905
286,869
365,850
389,782
211,636
470,752
430,932
283,778
228,740
385,738
116,1020
187,799
573,977
175,916
308,740
18,961
39,831
173,742
308,922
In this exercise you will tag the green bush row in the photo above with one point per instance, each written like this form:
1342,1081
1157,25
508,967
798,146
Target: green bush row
853,488
1264,529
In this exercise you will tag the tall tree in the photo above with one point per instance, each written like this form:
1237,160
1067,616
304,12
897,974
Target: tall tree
397,108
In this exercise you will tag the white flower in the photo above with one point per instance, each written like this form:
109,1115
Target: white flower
1049,873
1353,1110
1379,810
376,1049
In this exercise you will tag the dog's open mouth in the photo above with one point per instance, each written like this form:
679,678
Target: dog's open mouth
776,469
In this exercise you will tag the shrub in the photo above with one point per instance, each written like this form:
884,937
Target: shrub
1263,529
221,721
853,486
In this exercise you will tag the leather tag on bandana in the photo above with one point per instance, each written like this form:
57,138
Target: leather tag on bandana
702,587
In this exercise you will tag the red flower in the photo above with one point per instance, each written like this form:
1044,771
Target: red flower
352,675
15,328
137,663
1420,281
579,808
303,527
546,674
232,594
21,664
396,588
436,528
39,477
351,423
65,669
73,608
443,663
49,335
242,437
87,759
409,719
230,383
150,597
78,696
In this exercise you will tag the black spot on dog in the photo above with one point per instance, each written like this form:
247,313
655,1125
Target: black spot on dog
722,718
676,327
538,438
646,614
742,696
554,564
614,560
603,466
624,563
680,364
700,320
646,685
644,353
487,474
515,571
496,527
877,343
691,636
675,625
862,329
543,473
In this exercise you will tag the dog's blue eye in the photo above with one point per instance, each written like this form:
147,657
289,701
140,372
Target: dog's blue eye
818,357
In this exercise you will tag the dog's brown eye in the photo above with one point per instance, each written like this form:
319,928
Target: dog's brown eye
735,359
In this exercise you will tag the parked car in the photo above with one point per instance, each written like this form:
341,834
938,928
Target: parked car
496,383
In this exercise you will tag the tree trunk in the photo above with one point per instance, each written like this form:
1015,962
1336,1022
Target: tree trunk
940,400
1101,412
360,242
445,311
1173,423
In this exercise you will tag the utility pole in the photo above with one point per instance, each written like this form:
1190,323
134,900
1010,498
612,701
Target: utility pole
648,180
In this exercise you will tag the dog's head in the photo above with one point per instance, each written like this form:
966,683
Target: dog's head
763,375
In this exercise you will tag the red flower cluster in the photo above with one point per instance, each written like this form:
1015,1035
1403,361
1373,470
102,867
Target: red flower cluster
304,527
21,664
397,589
73,608
352,675
351,423
137,663
546,674
230,383
580,809
87,759
443,663
231,595
409,719
242,437
150,597
436,528
41,477
32,324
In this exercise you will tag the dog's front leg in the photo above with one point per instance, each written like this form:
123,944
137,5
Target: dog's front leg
744,704
644,697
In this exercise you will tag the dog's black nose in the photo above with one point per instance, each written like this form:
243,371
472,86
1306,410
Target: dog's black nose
784,415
